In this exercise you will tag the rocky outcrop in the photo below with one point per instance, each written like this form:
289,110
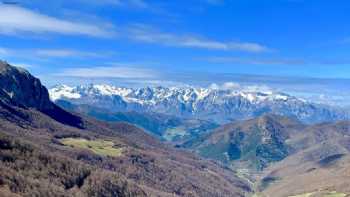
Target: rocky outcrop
20,89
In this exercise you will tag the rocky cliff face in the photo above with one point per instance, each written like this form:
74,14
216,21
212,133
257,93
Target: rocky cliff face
19,88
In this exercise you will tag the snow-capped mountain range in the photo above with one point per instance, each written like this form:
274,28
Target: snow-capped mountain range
221,105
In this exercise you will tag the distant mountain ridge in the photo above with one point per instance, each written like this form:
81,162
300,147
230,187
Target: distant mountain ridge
220,105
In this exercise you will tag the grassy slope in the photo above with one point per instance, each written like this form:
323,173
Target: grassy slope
100,147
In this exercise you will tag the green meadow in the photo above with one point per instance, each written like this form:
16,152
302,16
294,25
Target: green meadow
99,147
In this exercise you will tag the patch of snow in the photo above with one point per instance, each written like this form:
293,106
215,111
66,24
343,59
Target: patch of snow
63,91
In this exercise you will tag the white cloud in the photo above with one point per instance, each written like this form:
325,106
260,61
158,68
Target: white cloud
115,71
15,20
275,61
24,65
156,82
257,61
147,34
214,86
62,53
231,85
258,88
236,86
226,86
53,53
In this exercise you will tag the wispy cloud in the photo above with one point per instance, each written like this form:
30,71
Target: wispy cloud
226,86
63,53
16,20
24,65
275,61
230,85
256,61
23,20
146,34
54,53
123,71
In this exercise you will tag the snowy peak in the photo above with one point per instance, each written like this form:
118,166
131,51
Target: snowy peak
221,105
182,94
63,92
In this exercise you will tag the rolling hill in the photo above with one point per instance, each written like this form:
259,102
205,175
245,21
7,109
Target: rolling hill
280,156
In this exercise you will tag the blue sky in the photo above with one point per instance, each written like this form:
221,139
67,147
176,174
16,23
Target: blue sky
298,46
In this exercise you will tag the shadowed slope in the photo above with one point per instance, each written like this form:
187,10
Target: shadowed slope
19,88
